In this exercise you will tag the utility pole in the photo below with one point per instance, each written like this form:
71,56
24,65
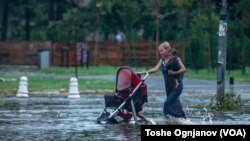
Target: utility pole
222,51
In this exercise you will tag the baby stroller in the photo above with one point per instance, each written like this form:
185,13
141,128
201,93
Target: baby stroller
128,99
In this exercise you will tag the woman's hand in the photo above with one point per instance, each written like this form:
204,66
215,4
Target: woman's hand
144,71
171,72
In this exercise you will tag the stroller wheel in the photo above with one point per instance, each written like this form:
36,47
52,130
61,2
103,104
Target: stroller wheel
103,117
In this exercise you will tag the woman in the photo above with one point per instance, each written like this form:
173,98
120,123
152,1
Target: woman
172,70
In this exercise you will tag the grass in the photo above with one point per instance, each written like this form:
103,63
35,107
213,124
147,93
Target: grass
49,83
37,83
212,75
67,70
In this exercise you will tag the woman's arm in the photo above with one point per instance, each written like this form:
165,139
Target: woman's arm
180,71
155,68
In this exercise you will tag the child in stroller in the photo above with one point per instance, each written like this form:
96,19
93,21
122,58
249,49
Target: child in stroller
130,95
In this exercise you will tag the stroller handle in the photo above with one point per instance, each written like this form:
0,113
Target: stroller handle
146,75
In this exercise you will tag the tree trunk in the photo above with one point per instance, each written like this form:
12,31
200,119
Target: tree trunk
27,23
156,9
5,20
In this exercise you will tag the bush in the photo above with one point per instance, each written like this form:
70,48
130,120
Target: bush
230,102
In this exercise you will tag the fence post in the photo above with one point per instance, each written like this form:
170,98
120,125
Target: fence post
64,51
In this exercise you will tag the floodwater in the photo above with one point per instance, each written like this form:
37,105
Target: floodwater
59,118
56,117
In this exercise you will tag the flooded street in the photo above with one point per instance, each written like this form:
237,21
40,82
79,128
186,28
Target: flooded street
59,118
56,117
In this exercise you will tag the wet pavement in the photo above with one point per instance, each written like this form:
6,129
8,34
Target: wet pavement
59,118
56,117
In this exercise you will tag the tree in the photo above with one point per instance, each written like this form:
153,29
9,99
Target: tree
5,16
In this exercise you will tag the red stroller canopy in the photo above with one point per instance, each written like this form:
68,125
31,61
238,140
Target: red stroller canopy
126,78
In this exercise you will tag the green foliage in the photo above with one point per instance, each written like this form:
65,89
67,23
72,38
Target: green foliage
230,102
194,23
71,19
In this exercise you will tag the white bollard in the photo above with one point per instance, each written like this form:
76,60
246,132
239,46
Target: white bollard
73,88
23,87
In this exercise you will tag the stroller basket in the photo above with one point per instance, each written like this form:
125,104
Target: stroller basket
110,100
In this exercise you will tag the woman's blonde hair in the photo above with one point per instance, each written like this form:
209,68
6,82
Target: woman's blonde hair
165,45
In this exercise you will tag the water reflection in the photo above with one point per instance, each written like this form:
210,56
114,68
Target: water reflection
59,118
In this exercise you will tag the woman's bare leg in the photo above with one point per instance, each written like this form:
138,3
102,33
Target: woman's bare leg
142,117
